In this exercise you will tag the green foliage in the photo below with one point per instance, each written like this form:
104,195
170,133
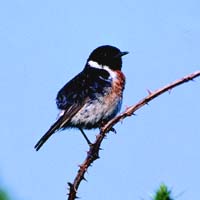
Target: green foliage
163,193
3,195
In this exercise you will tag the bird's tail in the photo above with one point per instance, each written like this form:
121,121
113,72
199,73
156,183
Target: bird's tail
59,124
48,134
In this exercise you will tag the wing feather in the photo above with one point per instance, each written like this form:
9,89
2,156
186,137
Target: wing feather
85,86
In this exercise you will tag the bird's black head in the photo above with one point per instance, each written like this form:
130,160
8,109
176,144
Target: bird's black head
109,56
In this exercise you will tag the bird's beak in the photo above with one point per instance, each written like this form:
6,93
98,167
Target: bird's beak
123,53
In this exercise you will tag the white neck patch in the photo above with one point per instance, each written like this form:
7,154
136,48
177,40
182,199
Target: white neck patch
94,64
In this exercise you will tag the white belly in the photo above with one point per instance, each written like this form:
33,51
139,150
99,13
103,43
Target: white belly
95,112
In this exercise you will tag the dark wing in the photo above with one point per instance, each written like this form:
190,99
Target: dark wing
74,92
70,100
68,114
87,85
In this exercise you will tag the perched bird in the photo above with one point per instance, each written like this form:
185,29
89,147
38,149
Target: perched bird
94,96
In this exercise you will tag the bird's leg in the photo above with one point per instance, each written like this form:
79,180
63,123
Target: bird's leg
85,136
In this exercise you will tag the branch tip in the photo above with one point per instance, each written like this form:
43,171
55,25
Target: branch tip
85,179
113,130
169,91
149,91
70,184
81,166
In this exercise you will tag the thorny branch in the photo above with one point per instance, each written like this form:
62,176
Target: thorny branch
93,153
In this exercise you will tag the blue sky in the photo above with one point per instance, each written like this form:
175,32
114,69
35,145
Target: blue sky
45,43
